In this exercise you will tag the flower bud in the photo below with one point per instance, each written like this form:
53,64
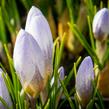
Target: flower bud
85,75
33,53
4,92
61,76
61,73
101,24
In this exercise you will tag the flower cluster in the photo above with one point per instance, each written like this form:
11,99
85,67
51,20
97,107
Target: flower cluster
33,53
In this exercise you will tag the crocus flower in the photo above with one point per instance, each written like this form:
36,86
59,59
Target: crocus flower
85,75
101,24
33,53
4,92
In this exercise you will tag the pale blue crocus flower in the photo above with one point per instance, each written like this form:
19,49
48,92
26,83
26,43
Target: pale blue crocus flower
84,78
101,24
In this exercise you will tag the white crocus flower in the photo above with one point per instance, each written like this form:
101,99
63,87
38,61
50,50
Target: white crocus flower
101,24
85,75
4,92
33,53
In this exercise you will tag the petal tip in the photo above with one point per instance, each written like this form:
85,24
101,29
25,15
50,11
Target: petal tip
35,11
21,32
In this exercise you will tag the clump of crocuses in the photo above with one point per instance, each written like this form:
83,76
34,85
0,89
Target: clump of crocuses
33,53
84,78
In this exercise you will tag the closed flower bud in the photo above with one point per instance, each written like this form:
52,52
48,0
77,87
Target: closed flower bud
101,24
4,92
85,75
61,76
33,53
61,73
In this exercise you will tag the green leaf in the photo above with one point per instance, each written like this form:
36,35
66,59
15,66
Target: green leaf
67,80
9,86
19,101
97,106
91,34
3,37
4,103
69,2
90,8
90,104
100,99
67,95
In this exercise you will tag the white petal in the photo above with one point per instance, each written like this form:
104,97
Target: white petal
28,57
38,27
32,13
4,92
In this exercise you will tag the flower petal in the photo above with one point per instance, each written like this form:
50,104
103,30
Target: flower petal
28,58
38,27
4,92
